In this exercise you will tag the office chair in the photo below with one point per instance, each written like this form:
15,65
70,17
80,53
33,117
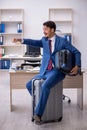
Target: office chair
66,97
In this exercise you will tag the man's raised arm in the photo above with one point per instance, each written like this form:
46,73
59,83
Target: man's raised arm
37,43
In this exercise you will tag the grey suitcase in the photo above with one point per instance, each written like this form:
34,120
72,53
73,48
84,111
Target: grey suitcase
53,110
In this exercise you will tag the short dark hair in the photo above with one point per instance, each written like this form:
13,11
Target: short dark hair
50,24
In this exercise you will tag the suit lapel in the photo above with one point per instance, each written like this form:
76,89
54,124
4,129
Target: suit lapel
55,48
47,45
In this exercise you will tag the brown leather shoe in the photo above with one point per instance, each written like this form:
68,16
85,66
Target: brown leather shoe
37,119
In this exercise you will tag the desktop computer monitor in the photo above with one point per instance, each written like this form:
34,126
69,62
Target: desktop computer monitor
32,51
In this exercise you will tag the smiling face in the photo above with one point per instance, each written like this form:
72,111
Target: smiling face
48,32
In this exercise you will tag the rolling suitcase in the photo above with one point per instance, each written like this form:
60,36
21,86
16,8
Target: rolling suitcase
53,110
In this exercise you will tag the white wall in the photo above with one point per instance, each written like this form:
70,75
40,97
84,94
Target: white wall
36,12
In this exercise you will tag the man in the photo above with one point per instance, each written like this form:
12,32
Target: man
51,43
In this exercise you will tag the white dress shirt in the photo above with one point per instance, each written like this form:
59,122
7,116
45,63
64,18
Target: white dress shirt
52,43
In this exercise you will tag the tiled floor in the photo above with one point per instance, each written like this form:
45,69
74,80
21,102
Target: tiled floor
20,118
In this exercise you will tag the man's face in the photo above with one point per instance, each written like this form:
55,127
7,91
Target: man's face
48,32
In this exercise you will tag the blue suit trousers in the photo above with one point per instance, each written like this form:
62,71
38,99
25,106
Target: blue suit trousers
51,79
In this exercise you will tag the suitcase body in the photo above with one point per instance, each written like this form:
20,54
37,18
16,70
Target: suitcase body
53,110
65,61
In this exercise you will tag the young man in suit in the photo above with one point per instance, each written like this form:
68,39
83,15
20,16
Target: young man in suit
51,43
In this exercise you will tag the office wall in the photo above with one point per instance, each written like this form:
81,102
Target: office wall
36,12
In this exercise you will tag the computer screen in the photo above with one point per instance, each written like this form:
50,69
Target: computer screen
32,51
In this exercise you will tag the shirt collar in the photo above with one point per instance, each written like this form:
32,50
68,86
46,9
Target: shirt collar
52,38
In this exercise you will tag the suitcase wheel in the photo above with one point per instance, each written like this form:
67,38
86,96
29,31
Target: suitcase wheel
69,101
60,119
32,119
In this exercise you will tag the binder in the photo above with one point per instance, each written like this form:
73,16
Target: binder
1,66
1,40
68,38
5,64
0,52
2,27
19,30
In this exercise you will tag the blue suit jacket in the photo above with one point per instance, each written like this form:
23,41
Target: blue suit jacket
60,43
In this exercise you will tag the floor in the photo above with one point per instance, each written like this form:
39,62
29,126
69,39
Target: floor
20,118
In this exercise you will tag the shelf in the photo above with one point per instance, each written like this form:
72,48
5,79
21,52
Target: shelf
63,18
60,9
8,45
20,57
11,21
11,33
9,9
62,21
11,18
60,14
4,70
63,33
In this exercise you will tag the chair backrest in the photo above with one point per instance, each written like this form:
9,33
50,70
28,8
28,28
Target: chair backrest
64,60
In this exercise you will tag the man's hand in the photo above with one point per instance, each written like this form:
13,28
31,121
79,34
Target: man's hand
74,70
17,40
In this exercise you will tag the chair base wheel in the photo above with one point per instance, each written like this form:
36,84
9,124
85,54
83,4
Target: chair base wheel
69,101
32,119
60,119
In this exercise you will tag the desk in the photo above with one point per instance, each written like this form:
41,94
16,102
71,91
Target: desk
19,79
20,57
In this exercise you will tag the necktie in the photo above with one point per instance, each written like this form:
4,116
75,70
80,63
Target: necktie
50,61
